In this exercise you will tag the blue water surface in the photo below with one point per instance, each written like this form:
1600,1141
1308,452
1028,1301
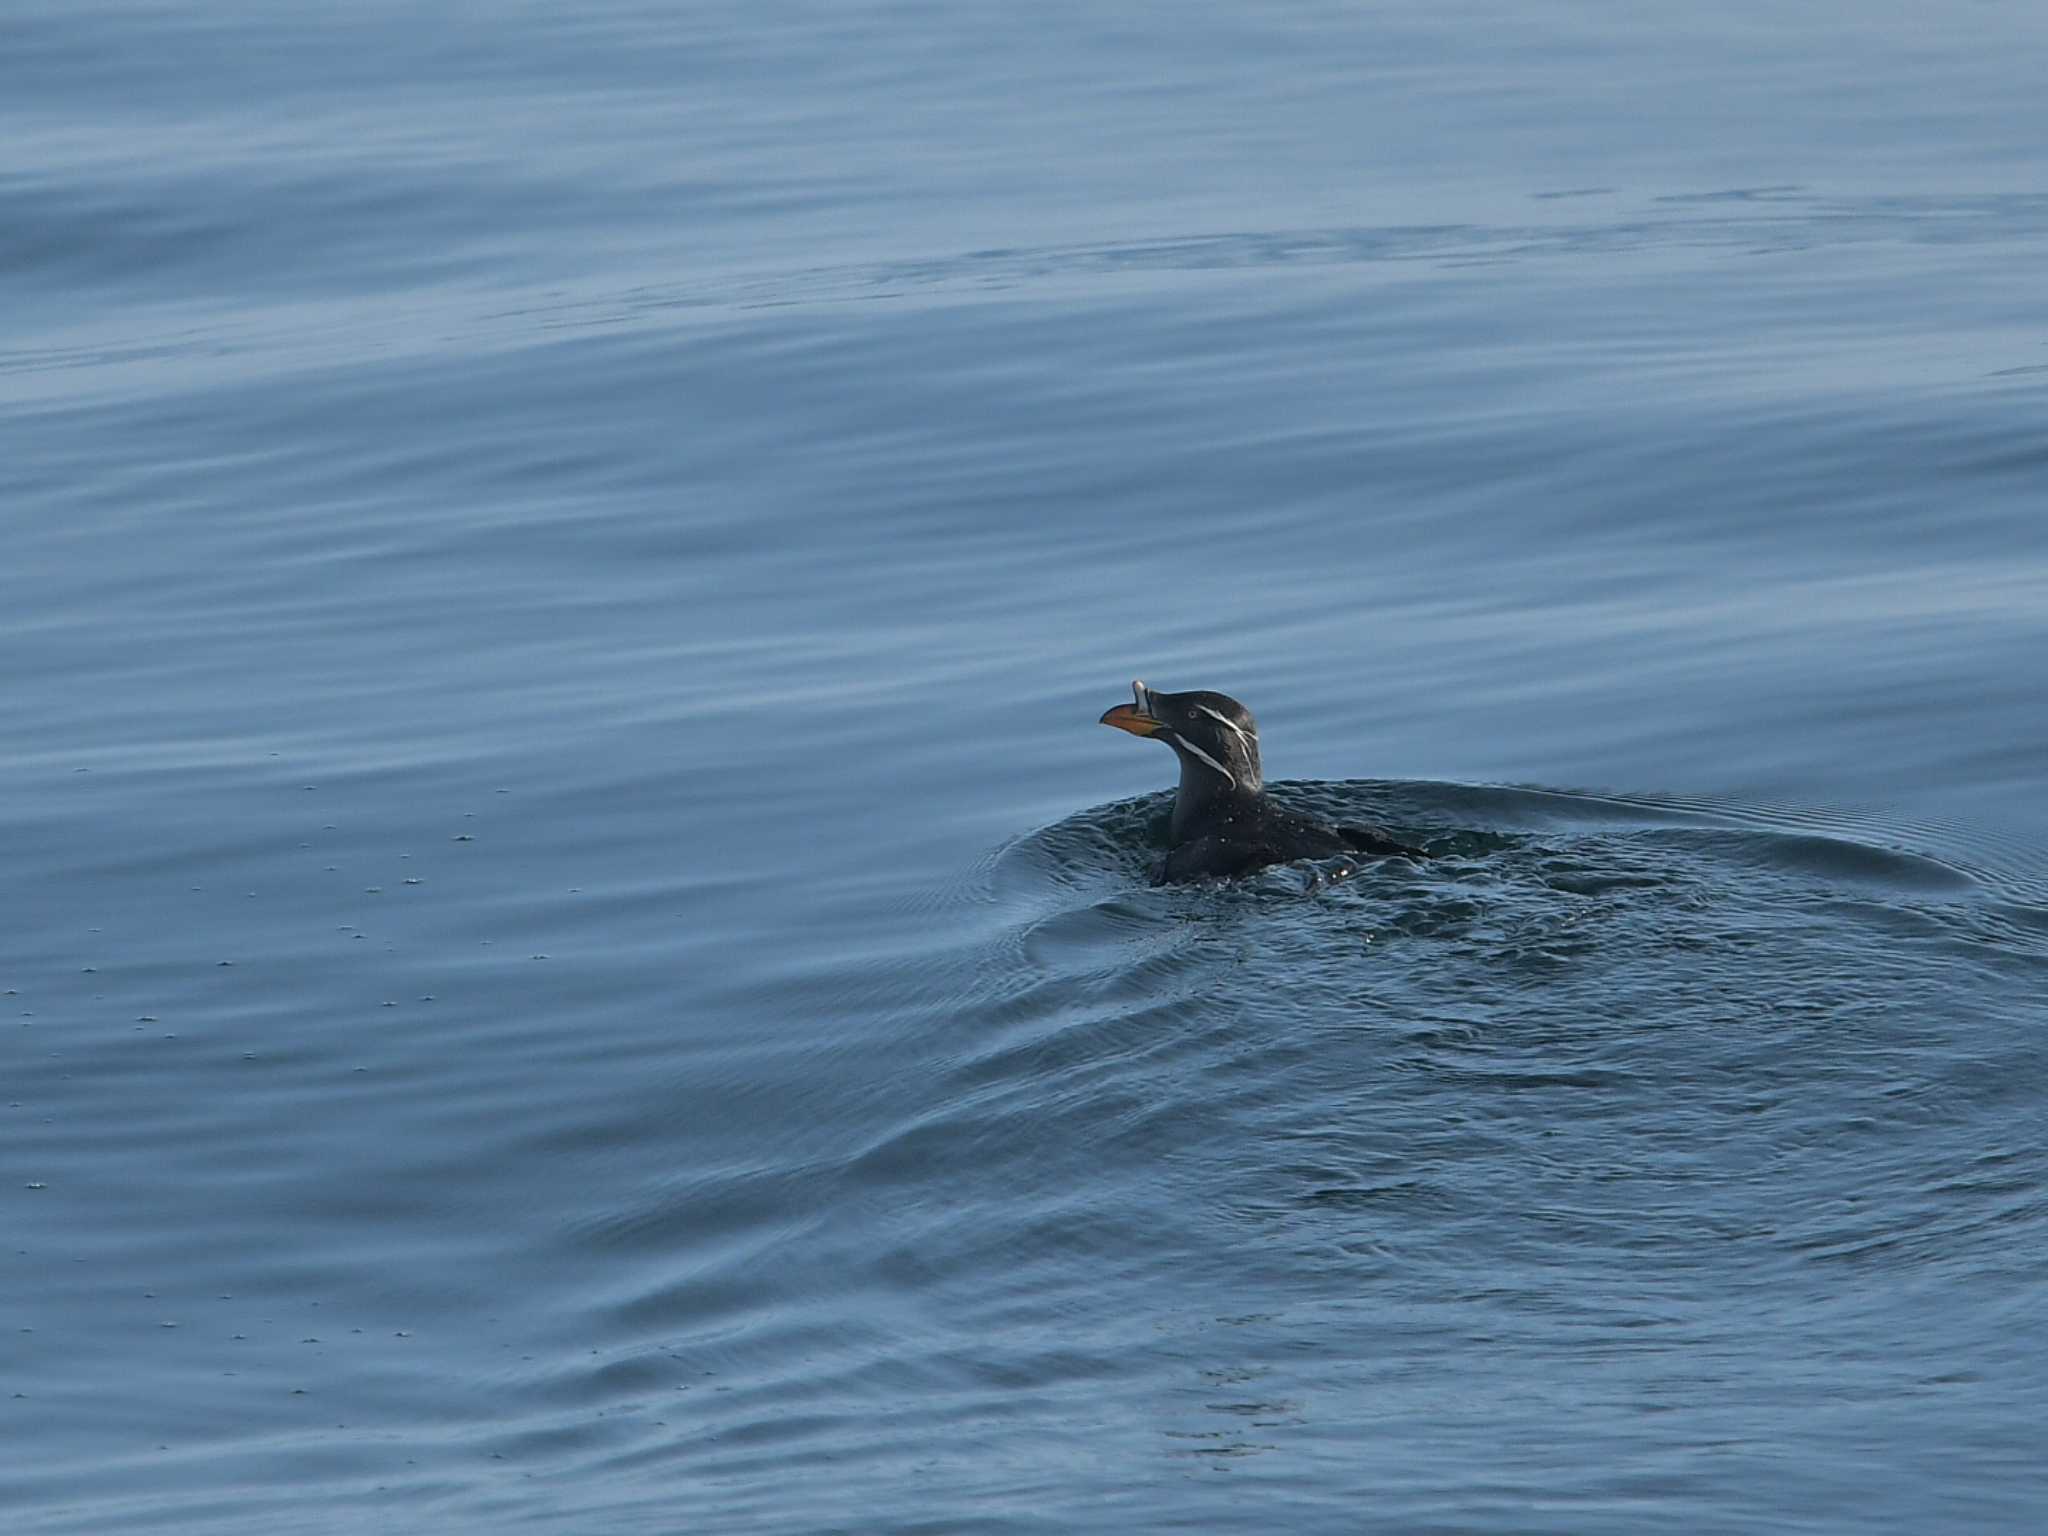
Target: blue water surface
574,959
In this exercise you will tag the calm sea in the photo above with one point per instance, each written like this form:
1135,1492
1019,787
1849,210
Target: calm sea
574,958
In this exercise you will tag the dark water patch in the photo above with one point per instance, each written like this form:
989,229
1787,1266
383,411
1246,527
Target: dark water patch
333,218
1619,1028
1801,220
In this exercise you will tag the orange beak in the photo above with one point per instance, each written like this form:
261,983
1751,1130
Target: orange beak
1125,717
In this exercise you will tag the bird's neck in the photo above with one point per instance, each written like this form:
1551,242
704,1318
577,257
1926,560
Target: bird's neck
1205,794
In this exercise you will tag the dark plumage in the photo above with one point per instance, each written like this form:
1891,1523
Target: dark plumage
1223,822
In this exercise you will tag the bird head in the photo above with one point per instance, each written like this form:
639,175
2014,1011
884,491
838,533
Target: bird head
1214,736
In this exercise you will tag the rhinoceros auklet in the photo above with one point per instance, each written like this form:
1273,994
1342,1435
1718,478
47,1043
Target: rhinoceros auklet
1223,822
